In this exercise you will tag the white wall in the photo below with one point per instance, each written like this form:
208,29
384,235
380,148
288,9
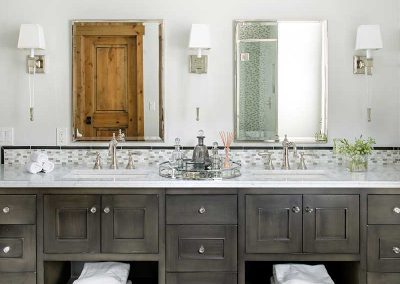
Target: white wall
184,92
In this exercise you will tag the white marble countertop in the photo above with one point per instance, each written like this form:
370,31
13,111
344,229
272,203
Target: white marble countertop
71,177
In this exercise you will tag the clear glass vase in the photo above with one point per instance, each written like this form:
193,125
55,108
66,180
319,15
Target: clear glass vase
358,163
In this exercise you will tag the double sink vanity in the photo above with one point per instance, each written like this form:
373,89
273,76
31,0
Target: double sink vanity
210,231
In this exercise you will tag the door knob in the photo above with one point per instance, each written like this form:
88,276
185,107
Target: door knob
309,210
107,210
296,209
396,250
396,210
6,249
202,250
93,210
202,210
6,210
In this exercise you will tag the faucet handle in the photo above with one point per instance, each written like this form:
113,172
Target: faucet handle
130,165
302,162
268,156
97,164
121,136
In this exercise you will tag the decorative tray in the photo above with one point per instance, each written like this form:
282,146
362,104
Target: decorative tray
189,170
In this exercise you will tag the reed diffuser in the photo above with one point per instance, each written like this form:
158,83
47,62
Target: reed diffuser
227,139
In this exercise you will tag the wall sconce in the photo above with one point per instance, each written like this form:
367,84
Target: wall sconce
369,38
31,36
199,40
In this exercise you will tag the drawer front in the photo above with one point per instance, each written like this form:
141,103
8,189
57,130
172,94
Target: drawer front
384,248
202,209
17,248
387,278
18,278
202,278
17,209
384,209
201,248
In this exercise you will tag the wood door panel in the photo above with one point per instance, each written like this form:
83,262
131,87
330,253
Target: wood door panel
272,224
69,224
331,224
108,83
131,224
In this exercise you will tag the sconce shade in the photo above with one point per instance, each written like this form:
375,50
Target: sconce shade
31,36
200,37
369,37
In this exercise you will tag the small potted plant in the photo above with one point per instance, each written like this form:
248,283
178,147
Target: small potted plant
357,153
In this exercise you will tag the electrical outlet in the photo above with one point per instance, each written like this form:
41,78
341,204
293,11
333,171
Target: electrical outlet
61,136
7,136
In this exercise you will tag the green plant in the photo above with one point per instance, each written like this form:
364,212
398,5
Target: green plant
360,147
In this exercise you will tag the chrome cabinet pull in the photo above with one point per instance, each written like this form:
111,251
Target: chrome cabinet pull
202,210
396,210
202,250
107,210
93,210
309,210
396,250
6,210
296,209
6,249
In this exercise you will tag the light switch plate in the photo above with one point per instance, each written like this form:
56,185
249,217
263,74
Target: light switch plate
7,136
61,136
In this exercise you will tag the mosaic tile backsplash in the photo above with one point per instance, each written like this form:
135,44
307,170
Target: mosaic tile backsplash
247,157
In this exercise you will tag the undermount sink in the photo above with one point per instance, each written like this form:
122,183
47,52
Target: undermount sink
107,174
289,172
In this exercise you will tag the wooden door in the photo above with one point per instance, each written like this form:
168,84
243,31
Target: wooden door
273,223
129,224
108,79
72,223
331,224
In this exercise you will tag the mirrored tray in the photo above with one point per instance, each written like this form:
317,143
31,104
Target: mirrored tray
192,171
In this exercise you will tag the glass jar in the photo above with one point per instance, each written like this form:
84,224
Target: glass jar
358,163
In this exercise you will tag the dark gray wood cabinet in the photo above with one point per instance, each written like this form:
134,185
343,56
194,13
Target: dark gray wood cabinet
95,223
302,224
129,224
273,223
72,223
202,278
331,224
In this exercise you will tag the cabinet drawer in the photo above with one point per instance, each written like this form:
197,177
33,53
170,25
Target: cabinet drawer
384,248
387,278
202,209
201,248
384,209
17,209
202,278
18,278
17,248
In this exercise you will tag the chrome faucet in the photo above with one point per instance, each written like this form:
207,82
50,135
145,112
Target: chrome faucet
113,149
286,145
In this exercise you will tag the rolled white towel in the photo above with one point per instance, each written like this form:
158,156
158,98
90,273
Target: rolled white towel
33,167
301,274
39,157
48,167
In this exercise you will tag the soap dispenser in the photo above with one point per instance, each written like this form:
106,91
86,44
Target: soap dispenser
201,157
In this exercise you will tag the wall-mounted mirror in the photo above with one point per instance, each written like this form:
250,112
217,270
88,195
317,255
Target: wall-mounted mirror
118,80
281,80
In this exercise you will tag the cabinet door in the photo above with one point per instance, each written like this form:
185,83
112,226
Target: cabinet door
273,223
130,224
331,224
71,223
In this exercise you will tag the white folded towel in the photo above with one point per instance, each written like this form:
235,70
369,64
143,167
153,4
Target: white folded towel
301,274
33,167
39,157
47,167
104,272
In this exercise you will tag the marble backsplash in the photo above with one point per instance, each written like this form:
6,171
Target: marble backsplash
85,157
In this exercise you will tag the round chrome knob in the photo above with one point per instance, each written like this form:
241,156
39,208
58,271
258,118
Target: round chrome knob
396,250
202,210
107,210
396,210
202,250
296,209
93,210
6,210
309,210
6,249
